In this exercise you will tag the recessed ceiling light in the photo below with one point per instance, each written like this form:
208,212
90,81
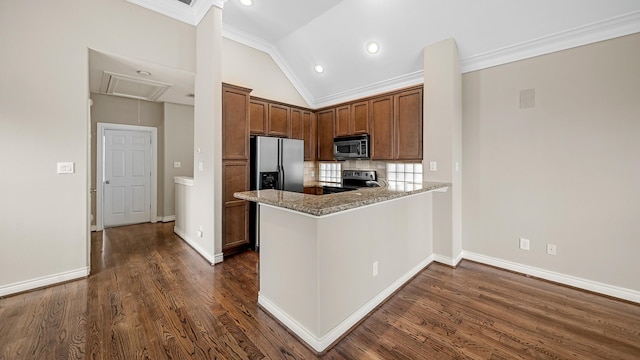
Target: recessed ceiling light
319,69
373,47
143,72
246,2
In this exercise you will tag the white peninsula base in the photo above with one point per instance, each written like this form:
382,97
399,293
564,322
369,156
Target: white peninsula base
321,275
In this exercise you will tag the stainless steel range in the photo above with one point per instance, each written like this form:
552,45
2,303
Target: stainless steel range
353,180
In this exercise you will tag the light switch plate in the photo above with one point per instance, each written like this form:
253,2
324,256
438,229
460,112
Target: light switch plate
176,164
66,167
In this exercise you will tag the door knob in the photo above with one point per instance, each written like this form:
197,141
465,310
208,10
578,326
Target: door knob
107,182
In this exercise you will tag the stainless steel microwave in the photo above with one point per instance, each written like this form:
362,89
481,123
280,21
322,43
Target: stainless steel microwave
351,147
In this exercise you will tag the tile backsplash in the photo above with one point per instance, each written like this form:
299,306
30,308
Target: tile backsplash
311,171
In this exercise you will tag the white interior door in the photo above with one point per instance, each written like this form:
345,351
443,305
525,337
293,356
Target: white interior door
126,177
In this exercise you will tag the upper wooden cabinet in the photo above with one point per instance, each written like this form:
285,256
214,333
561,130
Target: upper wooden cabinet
408,125
381,120
359,121
296,124
310,131
343,119
258,116
326,119
235,122
279,120
352,119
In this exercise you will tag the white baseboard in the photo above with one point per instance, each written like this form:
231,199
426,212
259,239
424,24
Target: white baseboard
194,245
321,343
48,280
218,258
580,283
169,218
447,260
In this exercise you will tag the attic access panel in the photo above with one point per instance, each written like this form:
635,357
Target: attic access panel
132,87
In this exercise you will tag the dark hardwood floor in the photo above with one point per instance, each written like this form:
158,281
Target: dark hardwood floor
150,296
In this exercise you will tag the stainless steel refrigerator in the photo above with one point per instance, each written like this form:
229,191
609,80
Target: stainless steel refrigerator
278,164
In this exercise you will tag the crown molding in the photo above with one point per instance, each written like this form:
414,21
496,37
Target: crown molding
189,14
598,31
398,82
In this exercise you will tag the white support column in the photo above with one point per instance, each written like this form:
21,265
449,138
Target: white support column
442,141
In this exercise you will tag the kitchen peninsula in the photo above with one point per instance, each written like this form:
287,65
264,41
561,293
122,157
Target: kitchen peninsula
326,261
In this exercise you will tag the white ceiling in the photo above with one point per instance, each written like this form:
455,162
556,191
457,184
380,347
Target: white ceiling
487,32
299,34
180,83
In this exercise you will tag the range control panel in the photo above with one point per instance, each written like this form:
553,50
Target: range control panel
364,175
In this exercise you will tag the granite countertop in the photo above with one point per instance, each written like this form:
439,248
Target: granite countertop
319,205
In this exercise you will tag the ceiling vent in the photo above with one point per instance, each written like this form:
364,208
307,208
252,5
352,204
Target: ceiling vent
132,87
188,2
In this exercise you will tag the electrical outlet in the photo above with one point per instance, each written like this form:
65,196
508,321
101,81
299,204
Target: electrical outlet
176,164
551,249
375,268
433,166
524,244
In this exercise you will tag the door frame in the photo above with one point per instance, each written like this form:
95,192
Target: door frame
100,168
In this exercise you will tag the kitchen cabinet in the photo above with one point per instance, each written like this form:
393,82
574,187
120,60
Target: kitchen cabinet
310,135
235,217
326,121
296,124
343,119
352,119
359,123
407,107
313,190
279,120
258,117
235,123
382,129
235,167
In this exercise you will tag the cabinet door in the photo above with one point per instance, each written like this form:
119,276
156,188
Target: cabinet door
258,116
381,118
296,124
236,225
310,130
279,120
343,115
326,120
235,123
408,125
235,217
360,118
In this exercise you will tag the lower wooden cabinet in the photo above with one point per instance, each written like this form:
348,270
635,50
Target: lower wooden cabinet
236,227
235,216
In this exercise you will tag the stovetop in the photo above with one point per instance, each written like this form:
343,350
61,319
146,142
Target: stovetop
354,180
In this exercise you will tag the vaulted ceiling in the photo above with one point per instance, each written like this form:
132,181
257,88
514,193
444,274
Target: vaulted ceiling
299,34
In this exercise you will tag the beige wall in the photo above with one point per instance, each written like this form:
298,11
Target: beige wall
254,69
565,172
124,111
178,146
44,217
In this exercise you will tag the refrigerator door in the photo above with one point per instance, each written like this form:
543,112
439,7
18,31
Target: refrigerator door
267,158
292,164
